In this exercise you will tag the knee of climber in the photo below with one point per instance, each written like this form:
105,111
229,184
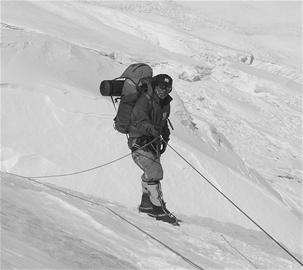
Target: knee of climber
153,174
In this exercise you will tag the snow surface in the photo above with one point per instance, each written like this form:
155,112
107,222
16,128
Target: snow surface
238,124
47,229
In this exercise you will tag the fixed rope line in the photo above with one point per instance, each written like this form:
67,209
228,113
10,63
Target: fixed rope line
242,255
159,241
93,168
118,215
227,198
236,206
79,172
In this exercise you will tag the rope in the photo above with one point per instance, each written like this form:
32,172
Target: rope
242,255
236,206
79,172
194,168
93,168
118,215
159,241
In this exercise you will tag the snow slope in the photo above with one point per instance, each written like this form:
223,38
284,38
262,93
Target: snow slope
239,125
46,228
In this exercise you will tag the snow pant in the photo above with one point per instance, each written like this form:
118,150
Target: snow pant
152,174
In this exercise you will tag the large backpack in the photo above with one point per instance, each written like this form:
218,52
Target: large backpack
128,86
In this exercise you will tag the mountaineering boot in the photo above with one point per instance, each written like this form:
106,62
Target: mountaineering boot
152,203
145,206
161,213
159,210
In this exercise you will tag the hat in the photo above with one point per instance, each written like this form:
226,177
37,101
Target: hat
162,80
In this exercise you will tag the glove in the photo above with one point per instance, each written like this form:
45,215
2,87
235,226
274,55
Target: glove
163,146
144,81
153,132
144,85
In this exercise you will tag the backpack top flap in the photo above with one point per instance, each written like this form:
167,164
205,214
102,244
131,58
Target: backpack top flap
137,71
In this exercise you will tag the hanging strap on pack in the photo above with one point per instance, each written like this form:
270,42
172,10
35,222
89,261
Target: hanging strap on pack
170,124
113,101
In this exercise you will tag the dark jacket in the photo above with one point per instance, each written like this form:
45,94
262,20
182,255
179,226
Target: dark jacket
149,116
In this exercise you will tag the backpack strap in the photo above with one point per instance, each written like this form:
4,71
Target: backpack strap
126,78
113,102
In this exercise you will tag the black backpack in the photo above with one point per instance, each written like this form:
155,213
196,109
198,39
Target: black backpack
128,87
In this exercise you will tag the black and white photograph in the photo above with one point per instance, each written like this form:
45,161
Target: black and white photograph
151,135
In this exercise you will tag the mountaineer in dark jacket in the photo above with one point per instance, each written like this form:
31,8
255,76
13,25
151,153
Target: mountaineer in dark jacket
149,123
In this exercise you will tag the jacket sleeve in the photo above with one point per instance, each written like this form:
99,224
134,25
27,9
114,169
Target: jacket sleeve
165,132
141,117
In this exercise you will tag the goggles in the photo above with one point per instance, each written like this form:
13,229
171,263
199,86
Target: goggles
163,89
162,92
